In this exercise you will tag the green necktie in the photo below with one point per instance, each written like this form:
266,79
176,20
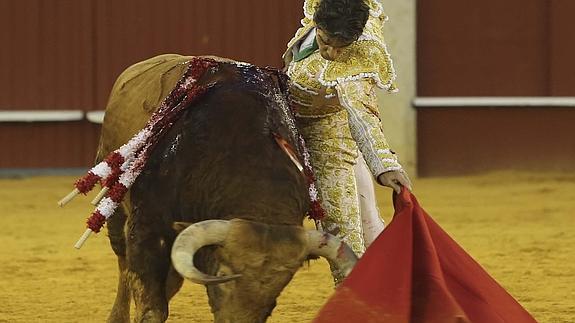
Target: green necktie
306,51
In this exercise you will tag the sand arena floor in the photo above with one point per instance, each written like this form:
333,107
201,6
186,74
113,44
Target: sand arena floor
519,226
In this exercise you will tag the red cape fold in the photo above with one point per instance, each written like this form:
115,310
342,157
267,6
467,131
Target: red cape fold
414,272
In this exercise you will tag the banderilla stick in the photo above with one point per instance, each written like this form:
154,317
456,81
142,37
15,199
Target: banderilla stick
83,239
68,197
100,195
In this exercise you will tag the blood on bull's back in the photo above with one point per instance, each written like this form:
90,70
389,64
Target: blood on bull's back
220,159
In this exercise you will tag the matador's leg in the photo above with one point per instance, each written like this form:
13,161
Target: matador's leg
372,223
333,153
338,192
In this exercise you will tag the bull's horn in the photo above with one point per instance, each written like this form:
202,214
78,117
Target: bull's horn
197,235
328,246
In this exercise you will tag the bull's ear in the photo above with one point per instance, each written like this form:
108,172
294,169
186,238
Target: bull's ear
180,226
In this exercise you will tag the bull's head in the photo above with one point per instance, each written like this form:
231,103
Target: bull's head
256,261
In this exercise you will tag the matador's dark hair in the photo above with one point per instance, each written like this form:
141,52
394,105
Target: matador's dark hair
342,19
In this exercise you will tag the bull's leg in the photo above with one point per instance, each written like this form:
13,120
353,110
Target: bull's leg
206,262
148,264
121,310
173,283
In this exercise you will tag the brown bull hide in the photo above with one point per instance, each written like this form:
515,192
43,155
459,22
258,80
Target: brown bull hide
136,94
266,257
218,161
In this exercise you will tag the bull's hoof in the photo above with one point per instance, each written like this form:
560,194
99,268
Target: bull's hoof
119,316
153,317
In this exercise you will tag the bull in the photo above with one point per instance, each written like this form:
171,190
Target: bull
219,202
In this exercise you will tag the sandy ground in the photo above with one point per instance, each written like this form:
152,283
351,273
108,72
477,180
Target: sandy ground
519,226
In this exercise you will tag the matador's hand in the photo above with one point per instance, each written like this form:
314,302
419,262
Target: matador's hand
320,99
395,179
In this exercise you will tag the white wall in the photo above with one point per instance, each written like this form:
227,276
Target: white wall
397,112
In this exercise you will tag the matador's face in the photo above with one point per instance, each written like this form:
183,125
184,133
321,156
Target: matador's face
330,48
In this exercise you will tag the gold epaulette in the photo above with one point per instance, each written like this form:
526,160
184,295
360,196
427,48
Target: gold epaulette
366,58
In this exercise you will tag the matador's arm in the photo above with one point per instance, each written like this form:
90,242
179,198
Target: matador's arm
359,99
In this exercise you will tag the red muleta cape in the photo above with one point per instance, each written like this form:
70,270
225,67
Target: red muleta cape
414,272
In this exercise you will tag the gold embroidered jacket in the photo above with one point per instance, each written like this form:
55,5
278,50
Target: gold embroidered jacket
353,78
